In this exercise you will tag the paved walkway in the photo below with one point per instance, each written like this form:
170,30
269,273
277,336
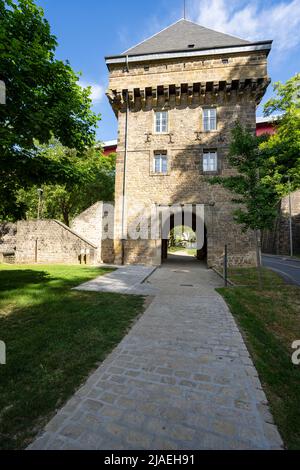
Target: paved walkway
181,379
125,280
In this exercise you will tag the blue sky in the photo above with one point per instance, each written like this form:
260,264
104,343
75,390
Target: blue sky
88,30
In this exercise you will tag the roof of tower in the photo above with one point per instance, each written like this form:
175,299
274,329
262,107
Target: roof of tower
186,39
184,35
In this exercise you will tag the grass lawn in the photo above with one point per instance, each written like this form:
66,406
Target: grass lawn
54,338
270,321
189,251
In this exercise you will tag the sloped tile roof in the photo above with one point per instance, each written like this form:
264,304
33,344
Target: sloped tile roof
181,36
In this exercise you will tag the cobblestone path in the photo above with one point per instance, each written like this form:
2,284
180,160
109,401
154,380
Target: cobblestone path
181,379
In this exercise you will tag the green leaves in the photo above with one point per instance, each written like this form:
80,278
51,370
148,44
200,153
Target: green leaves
85,178
282,150
44,98
252,190
265,164
287,99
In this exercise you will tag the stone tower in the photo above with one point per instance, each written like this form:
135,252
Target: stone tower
177,97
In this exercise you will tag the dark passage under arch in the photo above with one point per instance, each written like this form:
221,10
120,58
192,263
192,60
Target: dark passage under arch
201,254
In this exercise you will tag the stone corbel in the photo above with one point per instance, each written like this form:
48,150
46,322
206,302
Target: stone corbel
143,96
190,93
154,96
241,86
198,136
171,141
130,96
216,88
166,93
110,94
178,93
253,85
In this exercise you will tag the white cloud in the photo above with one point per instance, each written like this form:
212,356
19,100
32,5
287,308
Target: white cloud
97,90
254,21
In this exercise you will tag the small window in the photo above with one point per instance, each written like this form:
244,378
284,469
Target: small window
209,119
210,161
225,61
160,163
161,122
191,46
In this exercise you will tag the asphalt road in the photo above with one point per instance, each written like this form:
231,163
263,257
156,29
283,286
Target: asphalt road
288,268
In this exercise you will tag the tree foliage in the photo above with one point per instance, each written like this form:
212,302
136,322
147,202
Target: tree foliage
92,180
266,165
252,191
43,99
282,150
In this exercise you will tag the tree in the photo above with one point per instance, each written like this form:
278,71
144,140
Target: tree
43,99
255,194
282,150
92,180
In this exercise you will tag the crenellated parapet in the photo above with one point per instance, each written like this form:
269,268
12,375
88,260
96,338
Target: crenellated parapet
187,94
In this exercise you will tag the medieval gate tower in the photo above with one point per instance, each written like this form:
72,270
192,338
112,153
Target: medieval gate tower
177,97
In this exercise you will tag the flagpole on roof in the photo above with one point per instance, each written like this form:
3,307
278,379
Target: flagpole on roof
184,9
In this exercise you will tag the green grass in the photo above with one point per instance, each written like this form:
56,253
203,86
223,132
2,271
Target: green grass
54,338
174,249
270,321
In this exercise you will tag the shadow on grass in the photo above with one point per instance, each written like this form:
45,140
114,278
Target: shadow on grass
52,346
269,320
15,279
20,287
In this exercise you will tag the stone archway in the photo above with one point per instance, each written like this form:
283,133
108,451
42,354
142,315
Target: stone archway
185,216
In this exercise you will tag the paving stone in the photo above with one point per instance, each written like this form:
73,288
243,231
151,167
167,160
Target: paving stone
41,442
160,443
92,405
58,443
272,435
127,403
134,418
132,373
56,423
72,430
187,383
202,377
118,379
109,397
138,440
182,373
164,371
168,380
116,370
224,427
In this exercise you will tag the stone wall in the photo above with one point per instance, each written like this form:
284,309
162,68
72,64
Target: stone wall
107,251
88,224
8,241
277,240
188,70
50,241
184,144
